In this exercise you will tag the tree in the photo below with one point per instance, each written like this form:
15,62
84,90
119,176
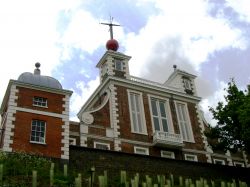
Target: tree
232,131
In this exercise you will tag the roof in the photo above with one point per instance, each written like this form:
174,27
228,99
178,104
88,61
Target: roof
39,80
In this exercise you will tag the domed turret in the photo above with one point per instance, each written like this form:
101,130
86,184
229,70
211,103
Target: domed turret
38,79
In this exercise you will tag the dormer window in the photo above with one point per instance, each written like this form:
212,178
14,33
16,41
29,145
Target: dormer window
118,65
40,101
187,84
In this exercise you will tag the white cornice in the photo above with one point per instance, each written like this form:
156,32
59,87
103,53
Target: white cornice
138,86
114,54
51,114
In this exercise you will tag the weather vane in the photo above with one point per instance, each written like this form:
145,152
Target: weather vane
110,24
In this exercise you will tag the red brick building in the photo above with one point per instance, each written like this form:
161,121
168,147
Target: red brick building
134,115
125,113
35,116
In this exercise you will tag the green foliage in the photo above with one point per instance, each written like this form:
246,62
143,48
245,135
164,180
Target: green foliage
232,131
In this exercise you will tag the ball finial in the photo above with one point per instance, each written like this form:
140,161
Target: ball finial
112,44
37,65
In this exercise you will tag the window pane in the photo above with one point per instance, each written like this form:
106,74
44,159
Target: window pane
154,109
132,102
156,124
162,109
139,122
38,131
164,125
137,104
134,122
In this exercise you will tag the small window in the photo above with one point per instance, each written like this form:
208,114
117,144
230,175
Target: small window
187,84
239,164
219,161
100,145
118,65
38,131
190,157
141,150
40,101
167,154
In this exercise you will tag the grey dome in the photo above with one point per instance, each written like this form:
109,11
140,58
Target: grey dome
40,80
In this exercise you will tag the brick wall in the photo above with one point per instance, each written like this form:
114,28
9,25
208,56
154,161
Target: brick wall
22,130
25,100
83,159
125,124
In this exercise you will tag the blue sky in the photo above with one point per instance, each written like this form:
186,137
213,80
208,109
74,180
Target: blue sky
207,38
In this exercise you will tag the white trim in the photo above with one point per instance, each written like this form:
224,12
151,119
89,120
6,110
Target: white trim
51,114
73,141
202,130
191,157
44,131
9,126
246,159
101,143
114,116
133,85
167,110
235,163
83,141
167,154
136,148
65,127
141,110
40,103
229,159
218,160
188,122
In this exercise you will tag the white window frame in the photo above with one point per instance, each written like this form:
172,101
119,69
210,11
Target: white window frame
188,128
40,101
195,158
167,154
239,163
73,141
101,143
120,67
167,110
142,148
42,141
219,160
141,110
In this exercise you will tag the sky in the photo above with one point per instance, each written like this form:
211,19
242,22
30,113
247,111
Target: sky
208,38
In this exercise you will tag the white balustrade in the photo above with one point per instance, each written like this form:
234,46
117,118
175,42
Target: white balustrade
167,138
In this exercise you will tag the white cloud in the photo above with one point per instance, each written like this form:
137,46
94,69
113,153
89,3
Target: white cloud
188,23
79,98
27,35
242,7
85,32
212,101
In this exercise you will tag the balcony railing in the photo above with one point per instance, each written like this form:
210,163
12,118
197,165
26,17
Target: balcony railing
166,139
